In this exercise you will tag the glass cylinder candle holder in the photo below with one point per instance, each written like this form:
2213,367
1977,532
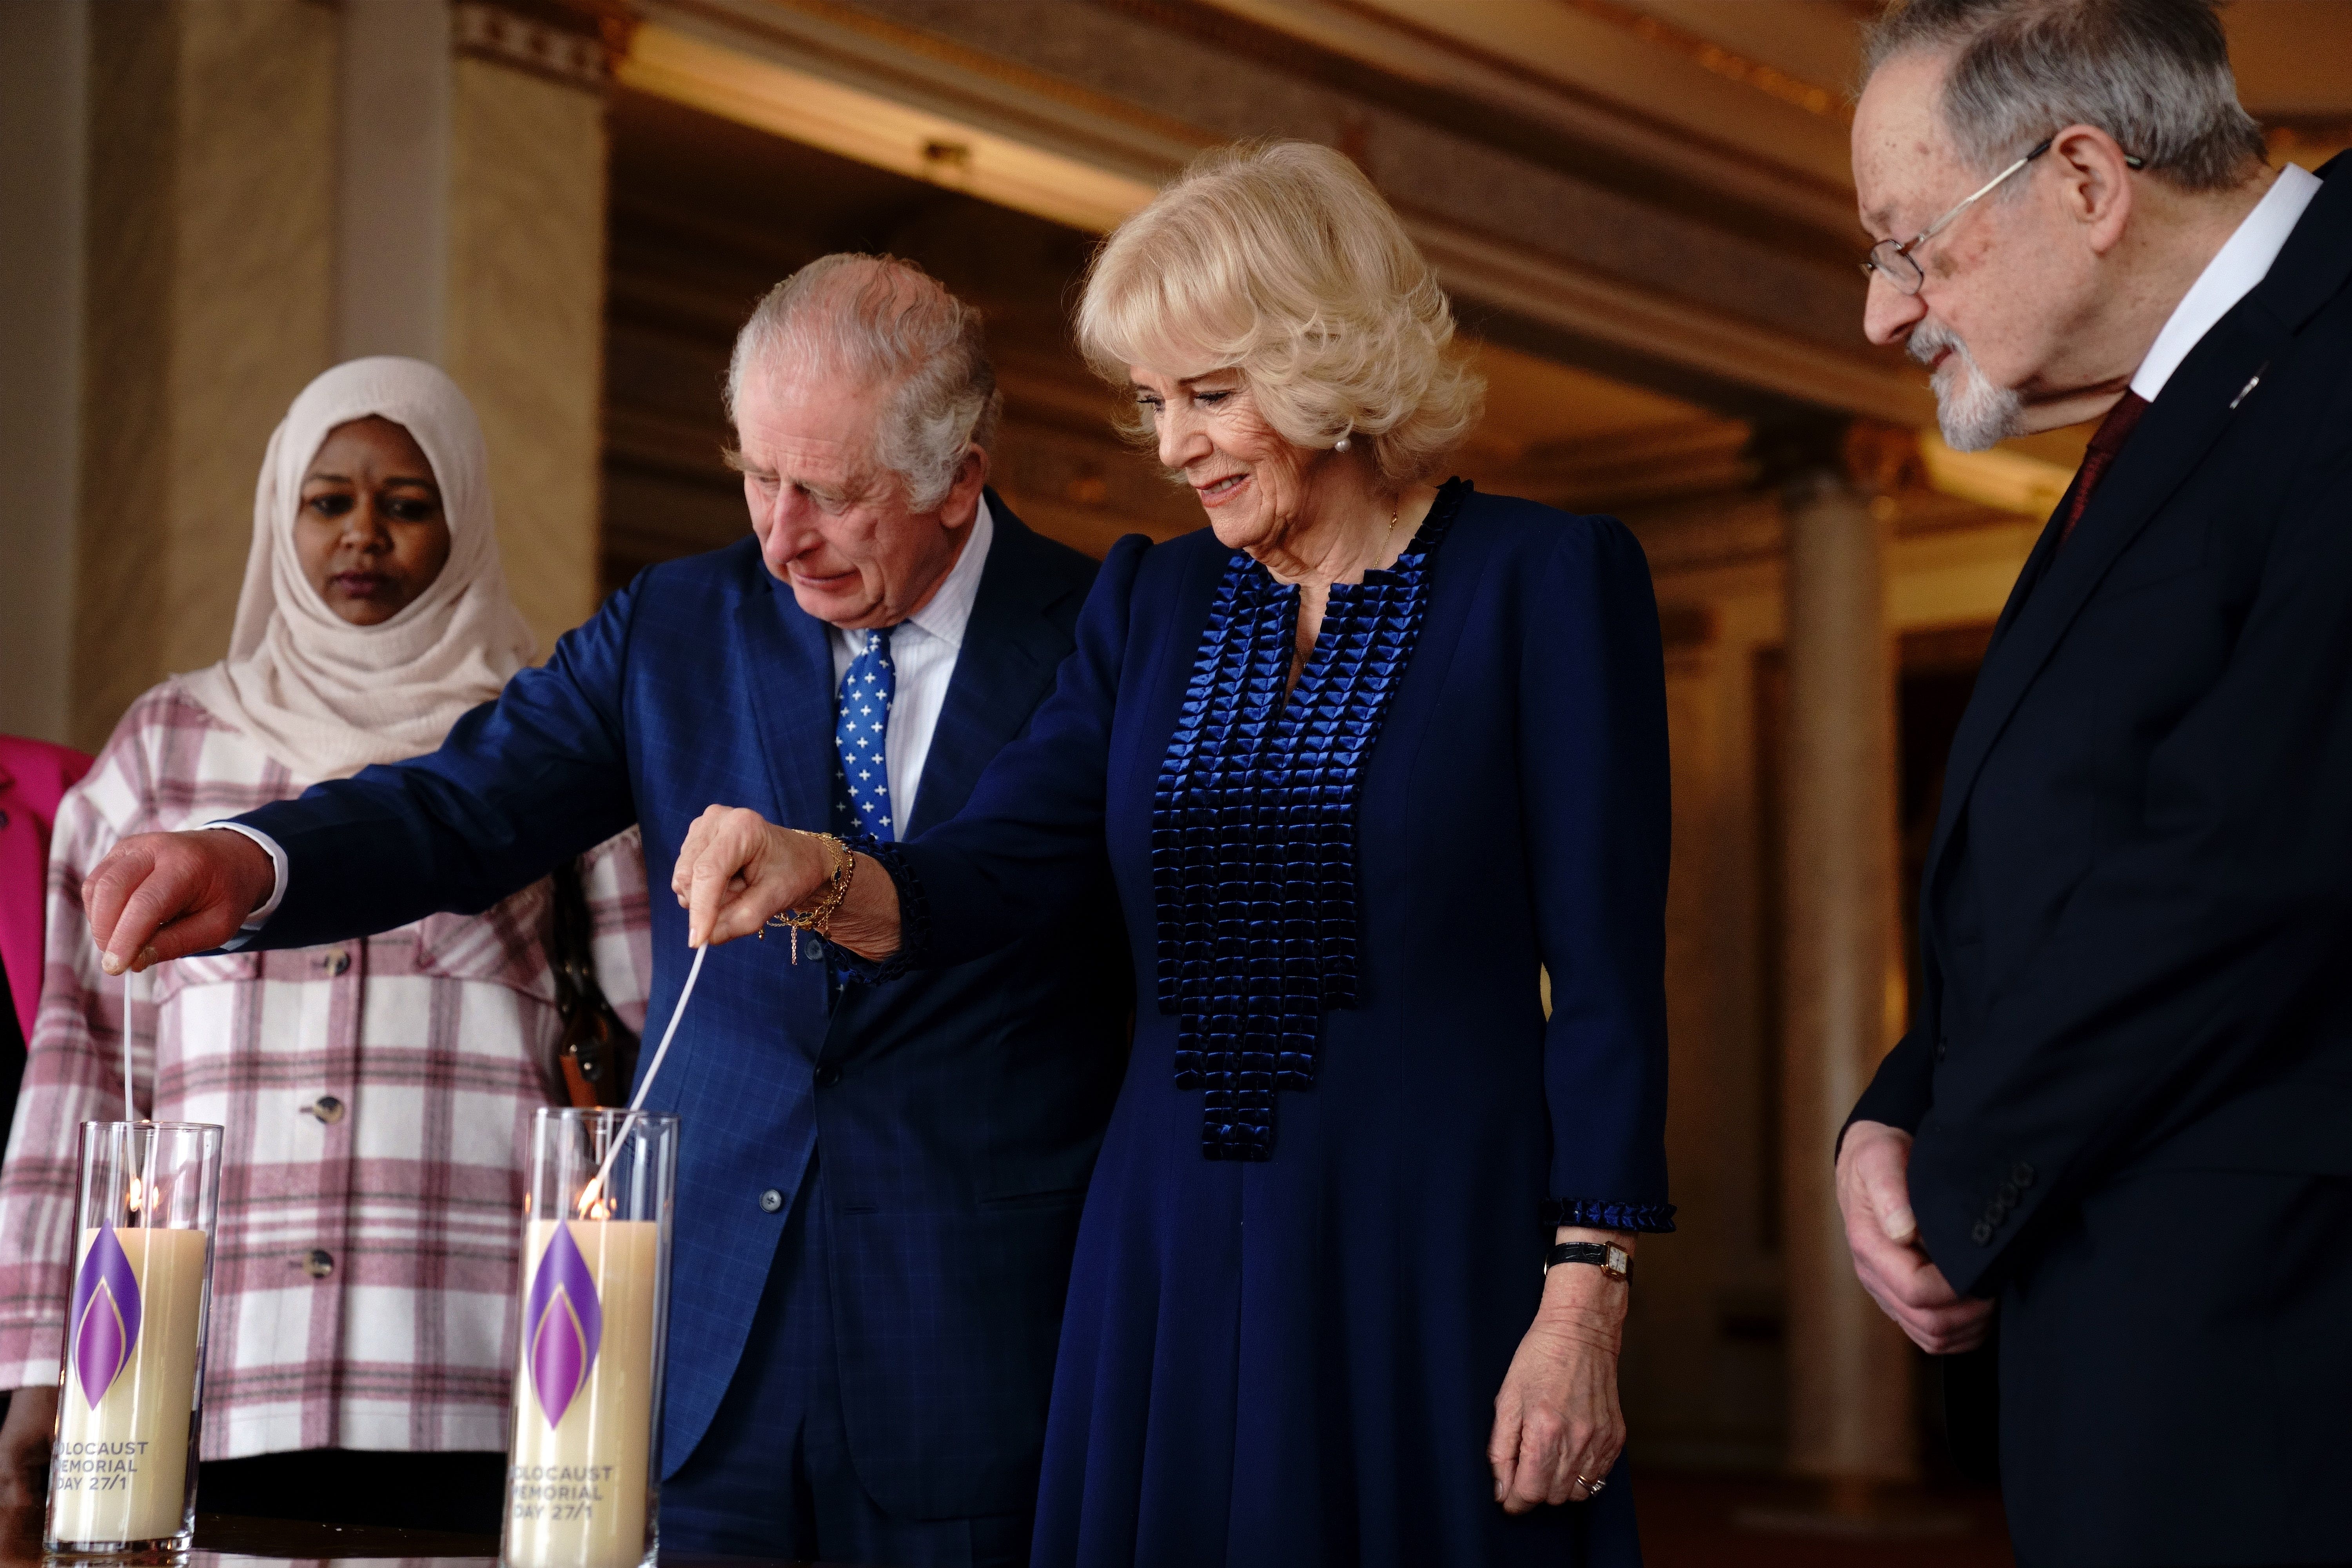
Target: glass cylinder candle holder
122,1473
584,1475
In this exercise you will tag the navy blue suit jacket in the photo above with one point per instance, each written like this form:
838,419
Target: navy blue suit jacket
957,1113
2140,883
2130,1068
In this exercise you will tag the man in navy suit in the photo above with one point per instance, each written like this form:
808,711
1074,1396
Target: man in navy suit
2116,1147
878,1186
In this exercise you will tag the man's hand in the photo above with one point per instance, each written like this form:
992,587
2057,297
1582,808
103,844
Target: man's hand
736,869
24,1465
1557,1418
166,895
1874,1191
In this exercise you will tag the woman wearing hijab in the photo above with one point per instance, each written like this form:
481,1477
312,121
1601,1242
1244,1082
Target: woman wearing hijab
375,1091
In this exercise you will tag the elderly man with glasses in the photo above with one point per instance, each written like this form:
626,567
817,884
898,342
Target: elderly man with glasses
2111,1163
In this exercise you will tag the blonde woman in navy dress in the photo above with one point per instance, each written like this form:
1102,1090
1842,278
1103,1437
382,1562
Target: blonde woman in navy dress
1363,754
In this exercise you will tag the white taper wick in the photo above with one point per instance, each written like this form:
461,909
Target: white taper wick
595,1189
130,1107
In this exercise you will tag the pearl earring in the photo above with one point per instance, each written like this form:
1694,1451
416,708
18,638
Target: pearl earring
1343,443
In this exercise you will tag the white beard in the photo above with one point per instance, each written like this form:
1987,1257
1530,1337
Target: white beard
1973,412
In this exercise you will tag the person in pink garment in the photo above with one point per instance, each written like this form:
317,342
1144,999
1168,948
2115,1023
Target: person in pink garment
374,1092
33,776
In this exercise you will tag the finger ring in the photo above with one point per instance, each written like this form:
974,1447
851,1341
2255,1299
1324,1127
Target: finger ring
1592,1489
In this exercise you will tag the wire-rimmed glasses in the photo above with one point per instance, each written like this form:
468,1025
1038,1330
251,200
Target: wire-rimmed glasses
1893,262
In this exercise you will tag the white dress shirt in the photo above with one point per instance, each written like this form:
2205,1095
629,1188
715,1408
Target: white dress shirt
923,648
2229,277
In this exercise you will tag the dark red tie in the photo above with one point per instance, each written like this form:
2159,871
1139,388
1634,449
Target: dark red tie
2105,442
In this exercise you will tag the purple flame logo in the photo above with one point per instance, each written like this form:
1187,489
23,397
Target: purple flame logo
563,1323
105,1315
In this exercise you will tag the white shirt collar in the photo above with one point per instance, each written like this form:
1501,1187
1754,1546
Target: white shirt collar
2229,277
947,610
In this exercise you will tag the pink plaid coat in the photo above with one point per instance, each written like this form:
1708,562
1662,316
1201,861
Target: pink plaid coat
376,1094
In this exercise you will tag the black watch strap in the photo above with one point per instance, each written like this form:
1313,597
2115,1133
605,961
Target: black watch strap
1611,1260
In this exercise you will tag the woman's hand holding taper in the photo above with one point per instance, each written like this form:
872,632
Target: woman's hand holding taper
737,870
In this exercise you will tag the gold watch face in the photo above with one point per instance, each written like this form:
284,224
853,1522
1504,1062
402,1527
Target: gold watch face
1621,1262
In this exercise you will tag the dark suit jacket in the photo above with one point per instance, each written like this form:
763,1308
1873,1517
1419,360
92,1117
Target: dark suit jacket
958,1113
2136,913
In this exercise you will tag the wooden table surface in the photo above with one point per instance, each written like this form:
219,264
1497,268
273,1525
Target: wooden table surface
223,1542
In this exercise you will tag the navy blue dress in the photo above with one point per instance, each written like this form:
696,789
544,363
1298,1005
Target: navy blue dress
1313,1238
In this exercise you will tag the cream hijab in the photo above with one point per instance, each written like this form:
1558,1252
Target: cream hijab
327,697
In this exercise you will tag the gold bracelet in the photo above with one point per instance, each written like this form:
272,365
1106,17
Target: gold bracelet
818,918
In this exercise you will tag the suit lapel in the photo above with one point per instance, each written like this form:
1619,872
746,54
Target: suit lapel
2173,437
787,676
1955,790
1011,650
2196,405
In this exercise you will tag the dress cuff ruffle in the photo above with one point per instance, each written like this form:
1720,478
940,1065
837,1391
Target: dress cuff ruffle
914,920
1655,1217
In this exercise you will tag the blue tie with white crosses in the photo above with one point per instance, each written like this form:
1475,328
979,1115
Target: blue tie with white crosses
860,739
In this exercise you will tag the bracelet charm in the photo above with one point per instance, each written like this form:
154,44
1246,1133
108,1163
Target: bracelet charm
818,917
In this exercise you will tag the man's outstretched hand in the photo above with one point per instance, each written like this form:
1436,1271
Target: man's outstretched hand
1874,1189
166,895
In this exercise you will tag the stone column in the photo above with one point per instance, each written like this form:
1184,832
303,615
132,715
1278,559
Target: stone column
392,229
44,152
472,233
270,187
206,304
525,330
1850,1403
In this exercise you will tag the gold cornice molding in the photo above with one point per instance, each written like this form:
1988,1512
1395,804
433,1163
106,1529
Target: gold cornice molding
1709,55
576,57
874,55
1718,346
1635,468
2000,478
884,131
2307,140
1377,36
790,68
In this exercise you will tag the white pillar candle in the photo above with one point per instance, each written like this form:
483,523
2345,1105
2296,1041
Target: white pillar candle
577,1484
125,1413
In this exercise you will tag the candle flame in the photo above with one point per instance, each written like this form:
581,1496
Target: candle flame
591,1203
136,1197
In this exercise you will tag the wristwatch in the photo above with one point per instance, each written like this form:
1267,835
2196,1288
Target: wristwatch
1608,1257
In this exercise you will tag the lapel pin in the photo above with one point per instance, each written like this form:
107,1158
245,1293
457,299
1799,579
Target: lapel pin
2255,382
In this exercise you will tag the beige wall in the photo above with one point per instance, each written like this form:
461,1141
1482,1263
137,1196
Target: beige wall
44,137
221,274
209,257
525,330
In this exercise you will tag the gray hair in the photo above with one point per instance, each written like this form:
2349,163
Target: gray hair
2153,74
887,322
